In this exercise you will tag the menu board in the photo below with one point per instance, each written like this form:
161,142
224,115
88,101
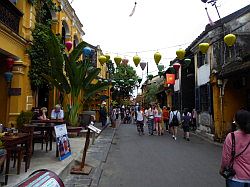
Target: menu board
62,141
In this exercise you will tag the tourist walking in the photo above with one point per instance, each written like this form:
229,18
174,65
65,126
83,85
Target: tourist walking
186,120
235,162
194,117
165,116
103,114
150,120
174,121
158,120
139,121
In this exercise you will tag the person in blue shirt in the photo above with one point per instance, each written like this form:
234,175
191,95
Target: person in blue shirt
57,112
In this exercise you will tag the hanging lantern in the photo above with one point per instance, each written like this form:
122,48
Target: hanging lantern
171,70
105,81
170,79
180,54
203,47
113,82
9,62
68,45
8,76
230,39
176,66
157,57
107,57
102,59
143,65
160,67
131,81
117,60
100,80
187,61
109,61
139,80
125,61
136,60
121,81
150,77
87,51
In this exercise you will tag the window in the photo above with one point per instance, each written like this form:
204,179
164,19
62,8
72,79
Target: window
204,98
202,59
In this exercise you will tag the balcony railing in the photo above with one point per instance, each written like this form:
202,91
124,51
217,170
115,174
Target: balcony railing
10,15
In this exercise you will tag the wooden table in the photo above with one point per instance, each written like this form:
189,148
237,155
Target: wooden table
11,142
48,126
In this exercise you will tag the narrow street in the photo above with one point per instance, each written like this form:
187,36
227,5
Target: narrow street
158,161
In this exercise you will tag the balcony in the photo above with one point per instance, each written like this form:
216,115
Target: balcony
9,15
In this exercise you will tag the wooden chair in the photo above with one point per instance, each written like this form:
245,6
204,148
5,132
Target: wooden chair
2,161
20,152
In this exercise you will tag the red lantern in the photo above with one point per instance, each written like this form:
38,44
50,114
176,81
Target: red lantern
10,63
170,79
68,45
176,66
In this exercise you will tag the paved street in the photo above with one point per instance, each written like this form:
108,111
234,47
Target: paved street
158,161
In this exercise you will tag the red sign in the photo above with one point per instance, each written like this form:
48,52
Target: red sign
170,78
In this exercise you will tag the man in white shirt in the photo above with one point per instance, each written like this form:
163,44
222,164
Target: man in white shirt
150,116
57,112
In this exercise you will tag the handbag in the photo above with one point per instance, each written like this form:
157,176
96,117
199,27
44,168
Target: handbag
229,170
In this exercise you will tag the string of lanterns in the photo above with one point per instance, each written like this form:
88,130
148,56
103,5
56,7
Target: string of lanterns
229,39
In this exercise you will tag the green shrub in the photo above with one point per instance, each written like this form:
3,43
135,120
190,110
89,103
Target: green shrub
24,118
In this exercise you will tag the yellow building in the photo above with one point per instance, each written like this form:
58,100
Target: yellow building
16,23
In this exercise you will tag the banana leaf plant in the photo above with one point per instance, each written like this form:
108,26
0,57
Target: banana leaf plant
72,76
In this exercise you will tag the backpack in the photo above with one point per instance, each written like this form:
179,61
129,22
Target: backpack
175,120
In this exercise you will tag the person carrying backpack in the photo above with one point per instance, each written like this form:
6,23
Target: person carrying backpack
174,121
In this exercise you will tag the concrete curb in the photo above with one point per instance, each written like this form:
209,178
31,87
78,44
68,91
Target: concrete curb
205,138
96,155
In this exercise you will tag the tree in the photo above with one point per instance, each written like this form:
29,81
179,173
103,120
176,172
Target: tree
72,76
125,87
150,95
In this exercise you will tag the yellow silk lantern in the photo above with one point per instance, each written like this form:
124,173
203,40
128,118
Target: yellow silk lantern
157,57
136,60
180,54
117,60
102,59
203,47
230,39
107,57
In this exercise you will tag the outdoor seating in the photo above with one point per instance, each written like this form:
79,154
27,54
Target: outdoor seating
2,159
20,152
13,144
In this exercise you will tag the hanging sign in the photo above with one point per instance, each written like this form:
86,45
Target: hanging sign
62,141
170,78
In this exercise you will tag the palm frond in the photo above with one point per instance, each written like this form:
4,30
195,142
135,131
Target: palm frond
77,51
93,88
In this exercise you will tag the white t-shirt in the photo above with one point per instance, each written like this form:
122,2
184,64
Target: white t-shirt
139,116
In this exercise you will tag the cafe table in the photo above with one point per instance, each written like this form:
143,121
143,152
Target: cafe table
48,126
12,141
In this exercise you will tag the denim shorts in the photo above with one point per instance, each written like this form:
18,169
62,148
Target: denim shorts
231,183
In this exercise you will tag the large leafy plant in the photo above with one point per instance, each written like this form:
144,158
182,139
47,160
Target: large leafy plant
72,76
